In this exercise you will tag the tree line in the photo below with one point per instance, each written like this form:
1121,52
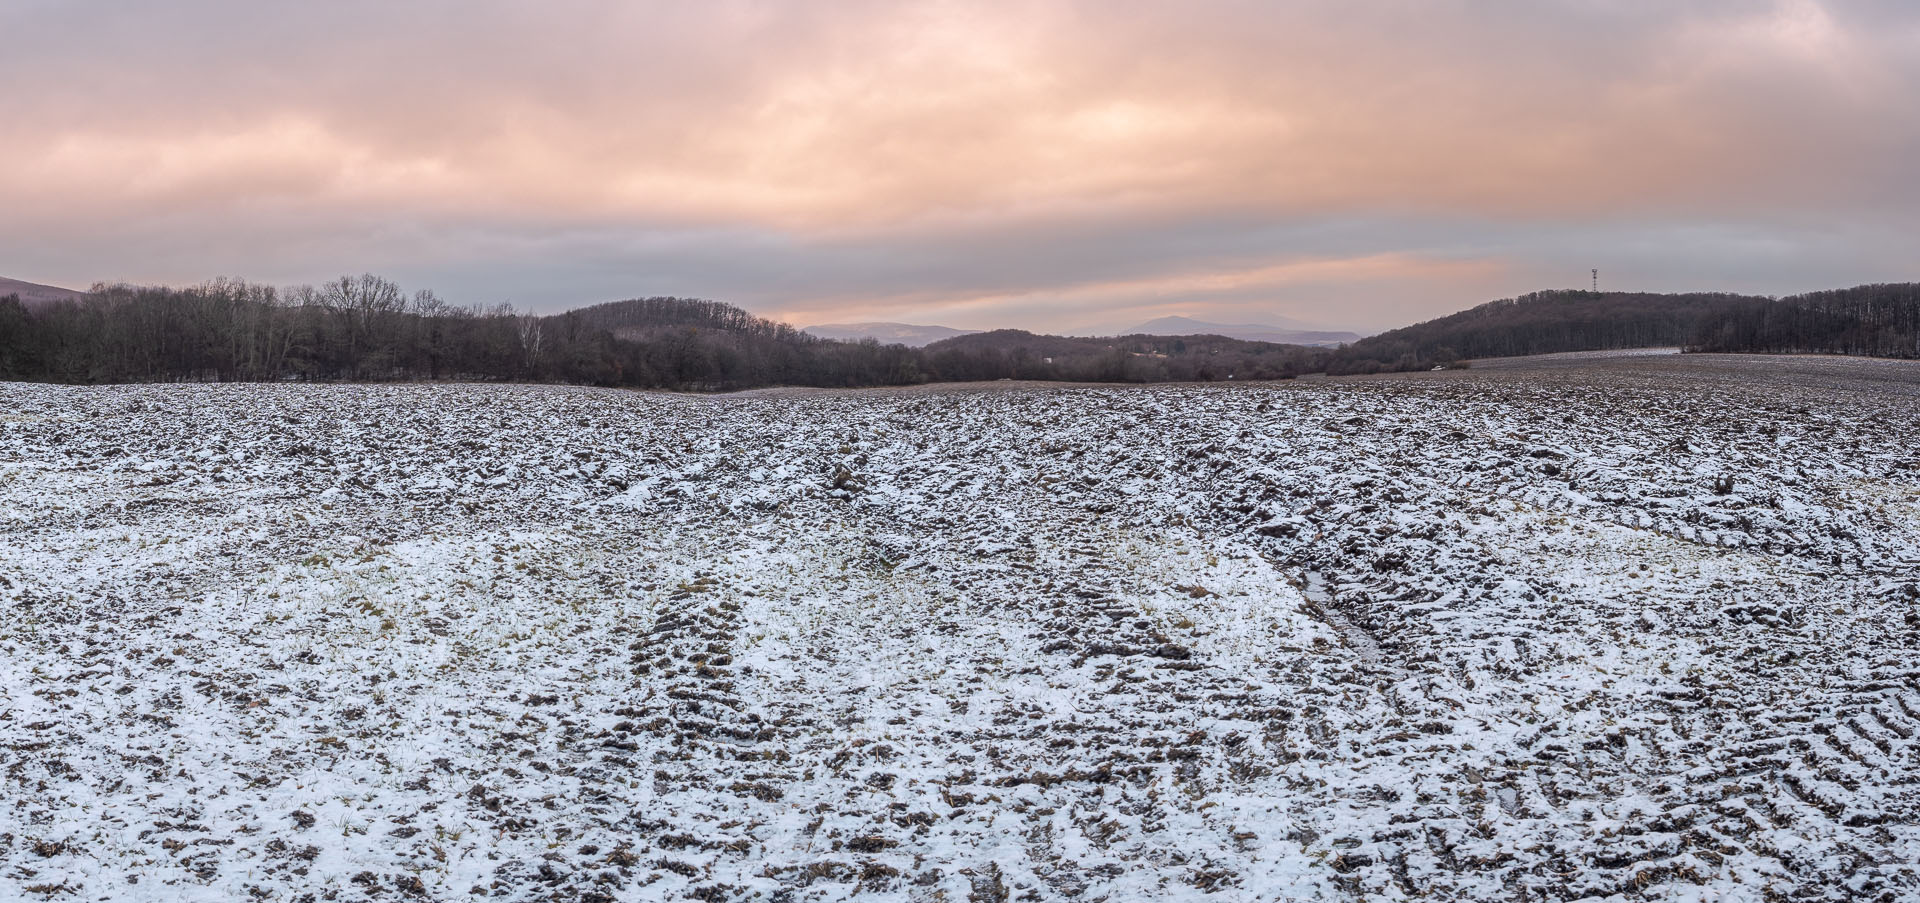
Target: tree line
365,328
1015,354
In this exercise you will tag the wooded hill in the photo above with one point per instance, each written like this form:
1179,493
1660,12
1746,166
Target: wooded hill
1879,320
1541,323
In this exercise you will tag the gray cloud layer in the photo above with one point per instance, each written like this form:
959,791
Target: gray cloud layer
1053,164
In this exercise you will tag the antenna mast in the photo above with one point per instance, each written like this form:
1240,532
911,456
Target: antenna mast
1596,280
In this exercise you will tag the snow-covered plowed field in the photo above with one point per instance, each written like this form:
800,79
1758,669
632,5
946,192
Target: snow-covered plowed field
1638,628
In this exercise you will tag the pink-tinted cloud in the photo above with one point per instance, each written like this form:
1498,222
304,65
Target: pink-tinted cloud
1110,304
330,128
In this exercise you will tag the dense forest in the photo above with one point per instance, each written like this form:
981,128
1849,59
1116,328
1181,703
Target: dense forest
1881,320
364,328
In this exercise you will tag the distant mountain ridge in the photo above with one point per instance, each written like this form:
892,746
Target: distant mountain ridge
919,336
908,334
1284,334
33,294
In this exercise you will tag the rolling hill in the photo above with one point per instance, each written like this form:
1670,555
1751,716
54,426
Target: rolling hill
33,294
1542,323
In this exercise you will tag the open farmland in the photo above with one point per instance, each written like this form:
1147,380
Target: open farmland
1646,627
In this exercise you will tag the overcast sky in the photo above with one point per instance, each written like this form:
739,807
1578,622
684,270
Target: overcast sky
1049,165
